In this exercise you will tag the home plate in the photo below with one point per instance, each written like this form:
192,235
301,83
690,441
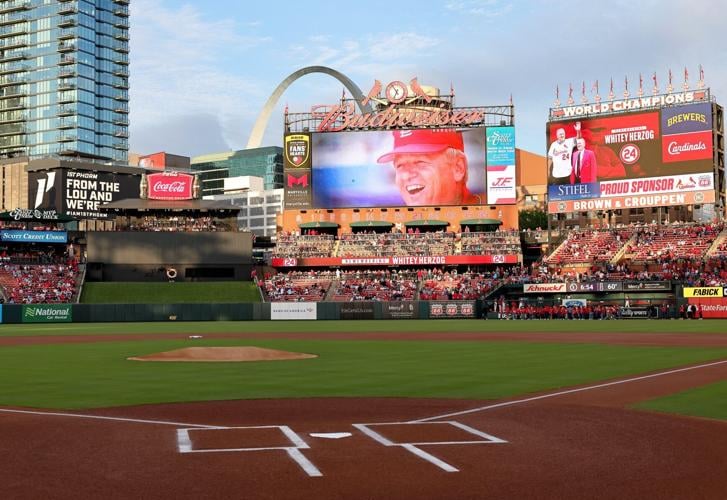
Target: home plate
195,336
331,435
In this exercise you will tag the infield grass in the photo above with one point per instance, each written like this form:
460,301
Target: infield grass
170,293
708,401
76,376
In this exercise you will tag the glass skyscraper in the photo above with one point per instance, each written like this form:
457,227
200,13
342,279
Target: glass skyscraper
64,78
265,162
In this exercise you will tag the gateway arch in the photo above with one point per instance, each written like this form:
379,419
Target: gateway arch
256,137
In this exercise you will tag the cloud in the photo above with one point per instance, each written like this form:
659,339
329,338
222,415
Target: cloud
483,8
186,134
180,67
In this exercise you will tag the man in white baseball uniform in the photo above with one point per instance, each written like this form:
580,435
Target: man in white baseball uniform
559,156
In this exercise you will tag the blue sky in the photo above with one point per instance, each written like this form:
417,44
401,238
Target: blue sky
202,71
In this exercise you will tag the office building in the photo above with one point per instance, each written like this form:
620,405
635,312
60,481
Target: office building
266,162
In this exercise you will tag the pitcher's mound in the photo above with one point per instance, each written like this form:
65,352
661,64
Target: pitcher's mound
223,354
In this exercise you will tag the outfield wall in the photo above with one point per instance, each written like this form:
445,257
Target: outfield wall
277,311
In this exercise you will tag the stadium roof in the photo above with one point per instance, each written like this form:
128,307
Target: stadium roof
372,223
427,222
480,222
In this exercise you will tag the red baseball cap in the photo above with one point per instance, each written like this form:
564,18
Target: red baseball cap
423,141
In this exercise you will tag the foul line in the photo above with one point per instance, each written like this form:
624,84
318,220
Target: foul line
116,419
569,391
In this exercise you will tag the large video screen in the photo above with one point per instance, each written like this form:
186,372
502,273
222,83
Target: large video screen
423,167
653,158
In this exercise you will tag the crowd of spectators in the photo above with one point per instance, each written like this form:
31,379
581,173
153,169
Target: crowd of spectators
177,223
498,242
668,243
589,246
296,286
370,244
301,246
380,285
39,283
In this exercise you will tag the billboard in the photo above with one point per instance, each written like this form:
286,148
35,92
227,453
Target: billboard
297,171
80,193
656,158
170,186
452,309
47,313
21,236
422,167
293,310
501,165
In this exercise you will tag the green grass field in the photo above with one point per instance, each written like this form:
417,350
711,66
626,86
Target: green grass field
709,401
441,325
170,293
99,375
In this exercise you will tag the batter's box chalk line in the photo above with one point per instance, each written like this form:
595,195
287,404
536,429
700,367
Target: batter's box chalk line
484,438
185,445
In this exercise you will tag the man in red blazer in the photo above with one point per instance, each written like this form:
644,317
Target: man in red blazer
585,169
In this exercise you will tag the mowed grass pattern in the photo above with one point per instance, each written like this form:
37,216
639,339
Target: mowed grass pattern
170,293
76,376
362,326
709,401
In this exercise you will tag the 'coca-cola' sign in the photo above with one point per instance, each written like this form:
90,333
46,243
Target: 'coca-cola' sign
170,186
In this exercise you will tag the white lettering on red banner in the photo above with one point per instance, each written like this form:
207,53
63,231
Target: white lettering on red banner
170,186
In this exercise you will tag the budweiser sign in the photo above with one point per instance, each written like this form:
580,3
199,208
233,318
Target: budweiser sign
170,186
544,288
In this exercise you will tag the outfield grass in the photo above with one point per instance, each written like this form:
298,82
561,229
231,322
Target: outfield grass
708,401
98,375
170,293
442,325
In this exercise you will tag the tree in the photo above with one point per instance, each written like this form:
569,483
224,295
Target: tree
532,218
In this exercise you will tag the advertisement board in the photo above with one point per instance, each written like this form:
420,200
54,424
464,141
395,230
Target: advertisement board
80,193
545,288
712,308
421,167
293,310
452,309
21,236
400,310
47,313
297,171
401,260
357,310
657,158
170,186
704,292
500,159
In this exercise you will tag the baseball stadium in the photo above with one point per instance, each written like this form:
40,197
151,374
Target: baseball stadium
439,314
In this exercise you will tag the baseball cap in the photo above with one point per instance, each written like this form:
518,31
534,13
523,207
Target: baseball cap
423,141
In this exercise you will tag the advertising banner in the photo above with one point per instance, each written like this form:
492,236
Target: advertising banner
170,186
501,189
293,310
357,310
80,193
421,167
646,286
452,309
712,308
298,188
575,302
500,145
47,313
545,288
403,260
634,312
297,151
20,236
400,310
705,292
637,159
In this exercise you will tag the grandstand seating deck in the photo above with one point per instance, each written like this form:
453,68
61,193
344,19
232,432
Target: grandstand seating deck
589,246
673,242
376,285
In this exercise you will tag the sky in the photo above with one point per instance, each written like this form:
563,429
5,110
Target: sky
202,71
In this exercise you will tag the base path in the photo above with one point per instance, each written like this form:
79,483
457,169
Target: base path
564,445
